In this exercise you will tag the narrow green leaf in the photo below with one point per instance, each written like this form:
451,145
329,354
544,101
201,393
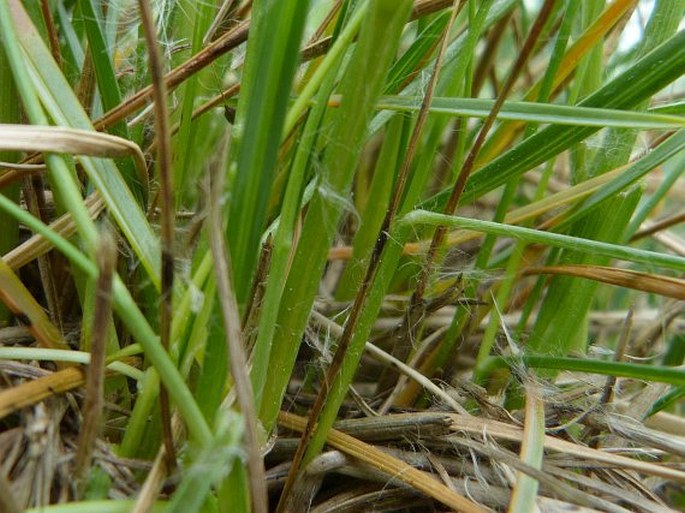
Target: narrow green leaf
656,373
649,258
537,112
650,74
109,88
10,112
360,88
272,58
420,49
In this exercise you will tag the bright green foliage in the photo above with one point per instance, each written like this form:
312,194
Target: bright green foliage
308,119
272,58
360,87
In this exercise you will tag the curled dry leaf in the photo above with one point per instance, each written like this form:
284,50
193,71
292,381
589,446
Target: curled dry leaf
58,139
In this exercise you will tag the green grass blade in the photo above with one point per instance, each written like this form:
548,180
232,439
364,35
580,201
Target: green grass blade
330,62
372,218
537,113
670,398
10,112
108,88
283,240
647,76
272,56
674,169
655,373
420,49
649,258
188,135
210,465
361,85
104,71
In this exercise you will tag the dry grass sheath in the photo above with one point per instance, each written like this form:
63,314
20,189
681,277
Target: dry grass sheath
335,256
236,348
95,377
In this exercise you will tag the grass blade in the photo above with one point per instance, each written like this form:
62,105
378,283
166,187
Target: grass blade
537,112
272,57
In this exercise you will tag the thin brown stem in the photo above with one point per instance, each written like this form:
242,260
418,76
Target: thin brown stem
236,348
52,31
35,201
326,23
608,389
95,374
659,225
486,62
166,190
470,160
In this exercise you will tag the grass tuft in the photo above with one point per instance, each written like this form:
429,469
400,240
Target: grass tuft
431,246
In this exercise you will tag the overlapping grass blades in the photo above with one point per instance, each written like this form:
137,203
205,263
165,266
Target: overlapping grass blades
272,58
63,107
322,117
360,87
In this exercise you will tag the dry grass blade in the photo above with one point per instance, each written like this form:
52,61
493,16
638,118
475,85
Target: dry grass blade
44,384
20,301
93,402
58,139
38,245
507,460
424,7
7,502
236,348
152,485
525,492
636,432
393,467
13,173
478,427
646,282
32,392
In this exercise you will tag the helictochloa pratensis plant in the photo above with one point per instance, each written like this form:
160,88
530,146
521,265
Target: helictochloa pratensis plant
313,211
